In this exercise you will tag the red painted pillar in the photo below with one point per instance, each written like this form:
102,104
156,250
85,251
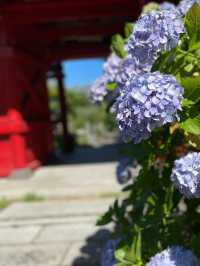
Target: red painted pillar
25,129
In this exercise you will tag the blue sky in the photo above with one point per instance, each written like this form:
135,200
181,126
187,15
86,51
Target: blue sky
82,72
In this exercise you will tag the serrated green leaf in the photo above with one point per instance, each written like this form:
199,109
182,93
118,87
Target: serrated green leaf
118,45
192,23
191,87
192,125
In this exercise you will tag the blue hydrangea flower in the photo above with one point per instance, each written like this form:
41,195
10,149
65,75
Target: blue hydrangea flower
186,175
123,170
111,67
147,102
127,69
98,90
154,32
185,5
107,255
168,6
174,256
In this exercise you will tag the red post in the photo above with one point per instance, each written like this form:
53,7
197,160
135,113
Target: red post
17,138
25,129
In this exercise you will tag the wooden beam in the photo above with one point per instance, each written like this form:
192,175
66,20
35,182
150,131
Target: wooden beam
61,10
46,36
77,50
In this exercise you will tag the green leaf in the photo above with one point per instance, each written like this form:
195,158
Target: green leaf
192,125
106,218
189,68
192,23
128,29
111,86
150,6
118,45
123,264
138,247
187,103
120,254
191,88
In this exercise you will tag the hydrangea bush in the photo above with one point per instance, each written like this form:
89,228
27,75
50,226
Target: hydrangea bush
153,76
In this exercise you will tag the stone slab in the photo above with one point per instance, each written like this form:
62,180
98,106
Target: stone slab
52,209
77,180
69,233
32,255
91,219
18,235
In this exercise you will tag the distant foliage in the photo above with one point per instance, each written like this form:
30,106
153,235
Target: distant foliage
86,121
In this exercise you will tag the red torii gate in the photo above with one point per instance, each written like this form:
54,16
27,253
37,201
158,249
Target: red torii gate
33,35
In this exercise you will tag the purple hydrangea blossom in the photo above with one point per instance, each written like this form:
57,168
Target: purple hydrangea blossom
98,90
154,32
185,5
174,256
111,67
147,102
107,255
186,175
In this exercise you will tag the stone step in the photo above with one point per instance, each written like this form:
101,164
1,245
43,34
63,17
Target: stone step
54,209
91,219
33,255
69,181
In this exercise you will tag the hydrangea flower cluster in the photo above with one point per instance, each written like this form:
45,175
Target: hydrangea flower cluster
154,32
186,175
107,255
147,102
174,256
111,67
185,5
123,171
98,90
127,69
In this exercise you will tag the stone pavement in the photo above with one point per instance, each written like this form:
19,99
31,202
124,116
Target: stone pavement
52,233
59,231
64,181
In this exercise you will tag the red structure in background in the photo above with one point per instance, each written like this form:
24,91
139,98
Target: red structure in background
33,35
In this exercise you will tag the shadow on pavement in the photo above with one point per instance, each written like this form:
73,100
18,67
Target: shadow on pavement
91,251
81,155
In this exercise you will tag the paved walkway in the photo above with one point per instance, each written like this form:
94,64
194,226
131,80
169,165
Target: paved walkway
84,180
59,231
52,233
